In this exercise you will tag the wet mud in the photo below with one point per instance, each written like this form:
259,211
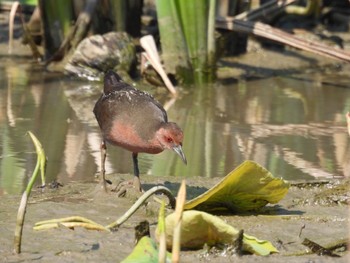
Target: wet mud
310,210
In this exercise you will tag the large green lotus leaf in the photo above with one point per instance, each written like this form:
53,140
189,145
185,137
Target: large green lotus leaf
199,228
145,252
248,187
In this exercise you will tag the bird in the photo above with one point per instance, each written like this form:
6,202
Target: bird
132,119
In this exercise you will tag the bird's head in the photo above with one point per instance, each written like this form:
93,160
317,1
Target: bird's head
170,137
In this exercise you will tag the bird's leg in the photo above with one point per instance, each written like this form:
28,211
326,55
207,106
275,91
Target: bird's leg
121,188
103,160
137,182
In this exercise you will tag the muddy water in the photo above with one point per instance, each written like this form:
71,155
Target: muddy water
293,125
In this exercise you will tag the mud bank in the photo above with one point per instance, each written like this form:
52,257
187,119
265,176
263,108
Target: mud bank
314,210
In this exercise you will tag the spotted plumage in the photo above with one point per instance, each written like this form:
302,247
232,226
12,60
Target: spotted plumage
134,120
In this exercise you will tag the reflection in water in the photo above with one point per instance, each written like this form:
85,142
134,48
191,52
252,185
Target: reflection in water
295,127
286,125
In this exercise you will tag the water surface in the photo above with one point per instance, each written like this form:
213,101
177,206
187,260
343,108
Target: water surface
292,125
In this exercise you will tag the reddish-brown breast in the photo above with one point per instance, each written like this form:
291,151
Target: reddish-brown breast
128,117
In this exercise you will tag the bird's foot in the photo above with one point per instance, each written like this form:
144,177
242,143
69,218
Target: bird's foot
132,187
105,184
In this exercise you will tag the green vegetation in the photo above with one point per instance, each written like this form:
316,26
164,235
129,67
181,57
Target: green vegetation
40,165
187,38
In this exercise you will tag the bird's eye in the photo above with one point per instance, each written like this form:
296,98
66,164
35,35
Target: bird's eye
169,140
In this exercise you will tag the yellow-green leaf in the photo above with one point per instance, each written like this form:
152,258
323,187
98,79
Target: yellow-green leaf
41,160
199,228
145,252
248,187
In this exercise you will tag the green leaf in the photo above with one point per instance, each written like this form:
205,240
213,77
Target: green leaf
248,187
29,2
187,36
199,228
174,48
41,163
145,252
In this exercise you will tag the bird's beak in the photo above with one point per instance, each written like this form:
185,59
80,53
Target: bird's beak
178,150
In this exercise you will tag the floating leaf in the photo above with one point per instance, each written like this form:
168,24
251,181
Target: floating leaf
248,187
145,252
199,228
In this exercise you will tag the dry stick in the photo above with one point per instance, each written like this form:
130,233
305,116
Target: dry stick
262,11
148,44
83,22
20,221
14,8
266,31
77,33
17,6
237,24
162,235
31,43
318,249
180,203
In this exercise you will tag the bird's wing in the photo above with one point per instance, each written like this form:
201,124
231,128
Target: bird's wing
115,86
159,106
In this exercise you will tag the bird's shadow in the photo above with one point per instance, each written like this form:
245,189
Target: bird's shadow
191,191
195,191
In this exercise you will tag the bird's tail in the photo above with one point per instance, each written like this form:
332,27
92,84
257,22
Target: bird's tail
112,81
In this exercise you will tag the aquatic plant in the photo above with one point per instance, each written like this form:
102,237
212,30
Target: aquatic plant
186,28
146,249
61,36
40,165
248,187
140,201
78,221
187,38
